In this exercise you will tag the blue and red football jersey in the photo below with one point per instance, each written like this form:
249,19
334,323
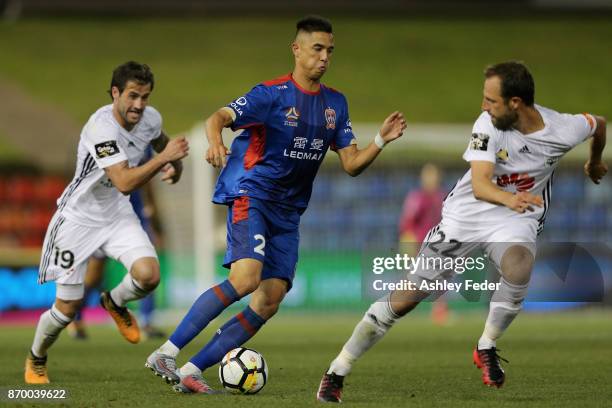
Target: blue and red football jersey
287,131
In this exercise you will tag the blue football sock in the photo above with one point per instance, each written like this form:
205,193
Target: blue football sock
208,306
232,334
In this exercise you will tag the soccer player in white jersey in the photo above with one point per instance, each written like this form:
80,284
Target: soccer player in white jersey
94,214
499,204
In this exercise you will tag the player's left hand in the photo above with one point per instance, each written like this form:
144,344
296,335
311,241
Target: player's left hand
393,127
171,172
595,170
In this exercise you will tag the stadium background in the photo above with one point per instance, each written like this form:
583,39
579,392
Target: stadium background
422,57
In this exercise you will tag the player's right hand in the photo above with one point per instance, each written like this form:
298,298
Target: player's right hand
176,149
217,155
393,127
522,201
595,170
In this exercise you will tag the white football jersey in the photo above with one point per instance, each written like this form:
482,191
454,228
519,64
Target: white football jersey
522,163
91,199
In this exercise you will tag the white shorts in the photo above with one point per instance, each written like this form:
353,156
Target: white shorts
450,240
68,246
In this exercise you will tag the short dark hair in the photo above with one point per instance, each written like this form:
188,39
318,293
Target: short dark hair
311,24
131,71
516,80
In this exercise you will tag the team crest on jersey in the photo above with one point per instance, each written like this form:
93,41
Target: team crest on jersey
292,117
502,155
106,149
480,141
330,118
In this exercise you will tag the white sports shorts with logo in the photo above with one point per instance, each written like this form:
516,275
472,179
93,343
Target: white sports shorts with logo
68,246
453,240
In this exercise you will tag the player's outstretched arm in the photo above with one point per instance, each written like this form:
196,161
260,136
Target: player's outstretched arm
354,160
127,179
485,190
172,171
217,152
594,168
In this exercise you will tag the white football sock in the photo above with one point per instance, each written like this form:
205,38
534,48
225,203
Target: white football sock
506,303
485,342
375,323
343,363
189,368
169,349
50,324
127,290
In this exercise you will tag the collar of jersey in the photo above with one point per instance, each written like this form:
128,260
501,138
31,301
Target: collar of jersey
307,92
537,132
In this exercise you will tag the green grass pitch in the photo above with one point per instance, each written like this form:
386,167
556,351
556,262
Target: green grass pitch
557,360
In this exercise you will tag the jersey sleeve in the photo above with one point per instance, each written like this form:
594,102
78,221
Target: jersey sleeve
344,135
579,128
251,108
483,143
101,142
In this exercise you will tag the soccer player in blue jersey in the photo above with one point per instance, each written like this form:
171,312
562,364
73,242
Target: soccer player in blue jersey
288,124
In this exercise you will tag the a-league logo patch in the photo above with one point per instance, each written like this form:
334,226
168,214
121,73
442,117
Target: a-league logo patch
330,118
106,149
292,116
479,141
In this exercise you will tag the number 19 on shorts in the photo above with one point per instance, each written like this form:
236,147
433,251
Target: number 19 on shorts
63,259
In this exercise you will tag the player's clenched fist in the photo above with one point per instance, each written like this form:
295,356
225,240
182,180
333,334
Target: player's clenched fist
595,170
217,154
171,172
176,149
523,201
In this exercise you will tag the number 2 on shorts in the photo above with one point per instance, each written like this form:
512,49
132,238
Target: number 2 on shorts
259,249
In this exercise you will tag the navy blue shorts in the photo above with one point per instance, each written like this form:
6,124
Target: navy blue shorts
264,231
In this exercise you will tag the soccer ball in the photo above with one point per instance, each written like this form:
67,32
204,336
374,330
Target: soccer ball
243,371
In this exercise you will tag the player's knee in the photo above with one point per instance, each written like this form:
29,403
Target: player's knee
516,265
69,308
245,275
146,273
150,283
244,284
